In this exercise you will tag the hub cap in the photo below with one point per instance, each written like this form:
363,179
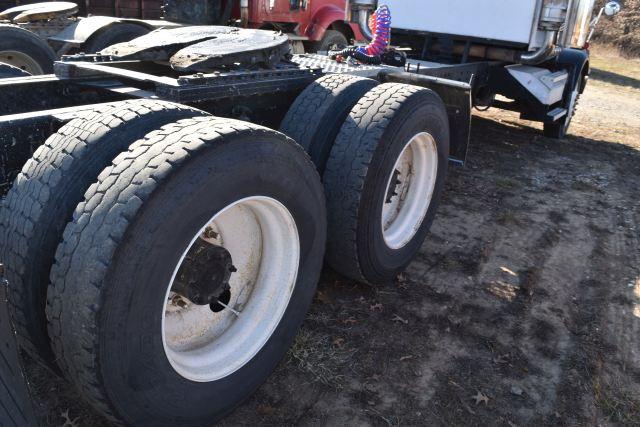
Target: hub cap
409,190
208,342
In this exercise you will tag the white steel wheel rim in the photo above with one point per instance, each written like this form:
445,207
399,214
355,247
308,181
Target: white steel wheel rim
262,238
21,60
417,170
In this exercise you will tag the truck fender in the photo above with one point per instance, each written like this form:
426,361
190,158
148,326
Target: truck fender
81,30
576,62
322,20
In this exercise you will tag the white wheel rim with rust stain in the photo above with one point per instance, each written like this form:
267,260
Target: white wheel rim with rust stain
262,238
416,171
22,61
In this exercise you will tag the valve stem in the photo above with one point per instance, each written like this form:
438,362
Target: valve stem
236,312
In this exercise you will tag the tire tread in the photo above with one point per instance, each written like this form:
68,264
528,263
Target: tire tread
347,171
37,191
319,106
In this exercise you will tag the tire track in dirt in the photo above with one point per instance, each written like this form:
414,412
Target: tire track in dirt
605,362
529,275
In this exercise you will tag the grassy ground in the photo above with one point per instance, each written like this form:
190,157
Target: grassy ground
522,308
622,30
609,70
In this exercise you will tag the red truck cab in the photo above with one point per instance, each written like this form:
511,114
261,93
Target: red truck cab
320,23
312,24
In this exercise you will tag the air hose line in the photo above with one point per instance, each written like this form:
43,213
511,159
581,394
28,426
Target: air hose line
380,24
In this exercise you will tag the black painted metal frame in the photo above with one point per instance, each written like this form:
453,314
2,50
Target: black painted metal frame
36,107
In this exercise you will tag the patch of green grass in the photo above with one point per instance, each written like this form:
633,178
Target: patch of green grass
617,404
509,217
581,185
507,182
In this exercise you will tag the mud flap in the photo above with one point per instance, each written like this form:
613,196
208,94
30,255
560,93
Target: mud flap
15,403
456,96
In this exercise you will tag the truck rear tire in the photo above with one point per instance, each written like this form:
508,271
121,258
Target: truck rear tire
52,183
136,348
559,129
316,116
113,34
332,40
383,181
25,50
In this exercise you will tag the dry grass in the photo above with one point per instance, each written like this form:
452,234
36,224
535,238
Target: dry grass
622,30
322,356
509,217
608,67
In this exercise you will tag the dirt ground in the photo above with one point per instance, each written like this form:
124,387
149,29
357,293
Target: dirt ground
523,307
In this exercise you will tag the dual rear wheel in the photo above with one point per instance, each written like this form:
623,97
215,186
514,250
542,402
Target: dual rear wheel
383,168
190,246
192,187
187,245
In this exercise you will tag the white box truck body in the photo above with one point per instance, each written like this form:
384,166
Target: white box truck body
501,20
498,21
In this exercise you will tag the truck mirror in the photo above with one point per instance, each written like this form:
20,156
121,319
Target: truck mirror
612,8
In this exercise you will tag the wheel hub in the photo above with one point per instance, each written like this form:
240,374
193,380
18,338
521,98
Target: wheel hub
204,275
392,191
230,315
409,190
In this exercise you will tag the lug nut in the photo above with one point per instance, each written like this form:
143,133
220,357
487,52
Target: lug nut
210,234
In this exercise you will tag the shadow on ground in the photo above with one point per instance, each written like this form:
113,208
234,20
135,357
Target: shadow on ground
614,78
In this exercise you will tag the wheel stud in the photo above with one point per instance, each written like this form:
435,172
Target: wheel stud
210,234
392,191
222,302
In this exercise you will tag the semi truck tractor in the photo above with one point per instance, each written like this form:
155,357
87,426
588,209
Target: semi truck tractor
311,25
533,55
168,203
